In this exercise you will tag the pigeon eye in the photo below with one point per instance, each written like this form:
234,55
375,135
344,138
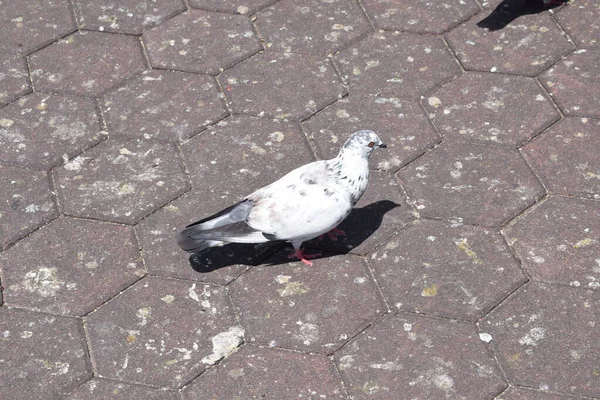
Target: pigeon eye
371,144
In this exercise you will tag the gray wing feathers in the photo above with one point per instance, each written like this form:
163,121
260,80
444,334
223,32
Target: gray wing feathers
228,225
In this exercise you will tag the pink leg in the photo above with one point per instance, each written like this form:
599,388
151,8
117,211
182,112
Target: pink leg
299,254
333,234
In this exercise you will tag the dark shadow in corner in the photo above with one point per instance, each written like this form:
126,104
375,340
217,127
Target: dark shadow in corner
359,225
510,10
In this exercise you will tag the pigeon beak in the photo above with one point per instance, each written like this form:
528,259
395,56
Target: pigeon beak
383,146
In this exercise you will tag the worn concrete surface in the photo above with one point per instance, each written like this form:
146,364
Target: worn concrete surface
469,270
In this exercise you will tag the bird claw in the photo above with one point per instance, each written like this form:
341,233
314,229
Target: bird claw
299,254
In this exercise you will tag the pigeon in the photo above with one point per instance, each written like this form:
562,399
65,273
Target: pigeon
304,204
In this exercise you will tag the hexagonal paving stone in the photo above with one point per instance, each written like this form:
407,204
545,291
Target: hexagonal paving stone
500,109
381,212
478,185
559,241
201,41
573,83
57,270
25,203
313,309
27,26
545,336
102,389
402,125
420,358
517,393
242,154
163,332
256,373
397,64
164,105
14,79
525,46
121,181
163,257
131,16
447,270
40,130
581,22
86,63
419,16
315,27
238,6
566,156
43,356
281,85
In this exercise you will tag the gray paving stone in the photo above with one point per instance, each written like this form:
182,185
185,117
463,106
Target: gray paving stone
43,356
121,180
497,109
102,389
516,393
57,270
401,124
40,130
526,46
559,241
26,203
201,41
235,7
281,85
545,336
163,332
573,83
258,373
14,79
163,257
451,271
566,157
421,358
419,16
397,65
474,184
164,105
242,154
130,16
86,63
314,27
314,309
581,23
28,26
381,212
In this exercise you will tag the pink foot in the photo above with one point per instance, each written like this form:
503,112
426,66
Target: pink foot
333,234
299,254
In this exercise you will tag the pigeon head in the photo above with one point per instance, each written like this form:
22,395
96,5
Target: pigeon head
363,143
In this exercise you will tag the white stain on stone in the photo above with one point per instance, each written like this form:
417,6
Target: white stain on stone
388,366
485,337
533,336
75,164
44,282
224,344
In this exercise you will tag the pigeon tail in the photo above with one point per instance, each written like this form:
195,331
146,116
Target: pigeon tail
228,225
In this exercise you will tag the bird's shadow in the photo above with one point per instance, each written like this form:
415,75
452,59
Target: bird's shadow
509,10
358,226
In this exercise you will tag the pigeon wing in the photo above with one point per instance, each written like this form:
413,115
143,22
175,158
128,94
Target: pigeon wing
302,205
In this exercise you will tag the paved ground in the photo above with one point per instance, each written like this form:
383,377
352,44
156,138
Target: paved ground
470,269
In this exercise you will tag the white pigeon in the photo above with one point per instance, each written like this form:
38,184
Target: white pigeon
304,204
